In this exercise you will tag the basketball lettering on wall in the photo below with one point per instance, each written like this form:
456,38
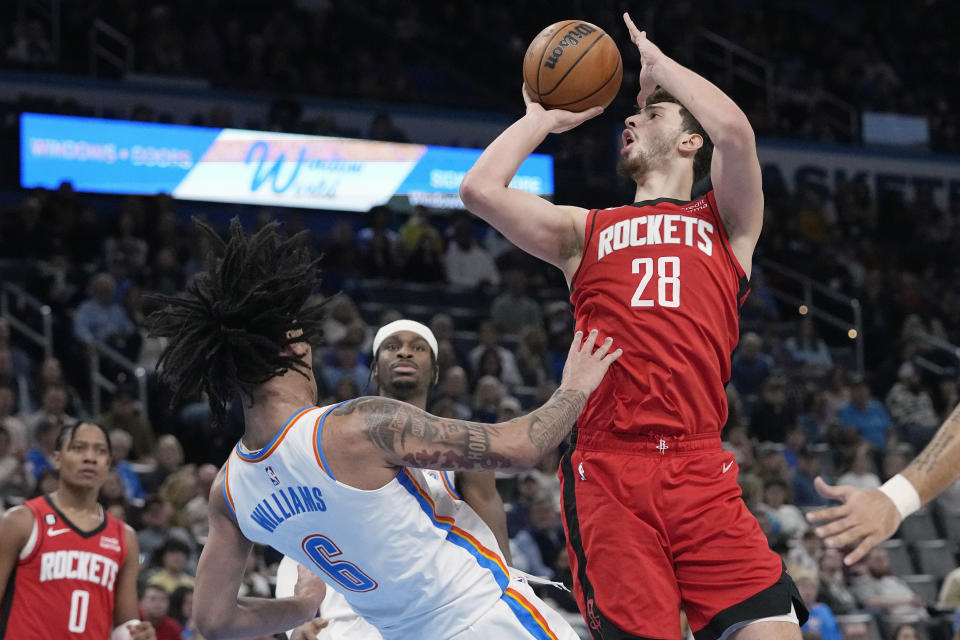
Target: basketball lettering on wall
572,65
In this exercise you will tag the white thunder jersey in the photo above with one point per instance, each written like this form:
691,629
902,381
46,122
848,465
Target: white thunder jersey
414,563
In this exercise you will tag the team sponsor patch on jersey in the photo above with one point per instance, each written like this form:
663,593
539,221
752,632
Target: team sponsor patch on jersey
112,544
50,519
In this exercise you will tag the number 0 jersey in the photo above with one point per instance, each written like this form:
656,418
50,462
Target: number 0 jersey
63,585
659,276
414,562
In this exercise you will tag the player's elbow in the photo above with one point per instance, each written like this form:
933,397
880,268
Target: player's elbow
475,190
210,625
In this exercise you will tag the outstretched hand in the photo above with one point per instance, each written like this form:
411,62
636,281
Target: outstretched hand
650,55
585,367
865,518
559,119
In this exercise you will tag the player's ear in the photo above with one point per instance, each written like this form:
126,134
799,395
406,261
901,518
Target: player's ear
690,143
436,374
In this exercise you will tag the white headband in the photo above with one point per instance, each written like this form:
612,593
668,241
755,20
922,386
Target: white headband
412,326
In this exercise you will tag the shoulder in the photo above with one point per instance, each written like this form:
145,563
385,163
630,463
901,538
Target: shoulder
15,527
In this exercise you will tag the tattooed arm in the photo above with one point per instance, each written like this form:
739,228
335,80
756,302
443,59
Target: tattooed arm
870,517
368,438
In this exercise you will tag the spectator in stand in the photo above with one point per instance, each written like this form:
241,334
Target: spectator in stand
40,457
14,478
171,558
442,326
346,363
865,415
195,511
801,480
422,249
788,517
467,263
486,399
859,468
794,443
454,390
949,597
342,315
750,367
125,414
805,557
156,527
542,539
808,350
513,310
181,610
345,390
822,619
121,442
168,455
378,245
837,393
833,583
383,128
488,339
53,408
911,407
773,415
526,490
879,589
533,356
16,428
154,607
814,417
51,373
100,318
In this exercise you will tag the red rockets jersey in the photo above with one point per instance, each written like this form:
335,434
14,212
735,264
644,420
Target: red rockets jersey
64,588
659,276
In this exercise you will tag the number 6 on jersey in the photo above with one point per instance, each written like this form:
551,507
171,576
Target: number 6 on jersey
668,281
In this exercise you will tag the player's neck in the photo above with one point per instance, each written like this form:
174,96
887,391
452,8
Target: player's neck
656,184
419,399
75,499
274,403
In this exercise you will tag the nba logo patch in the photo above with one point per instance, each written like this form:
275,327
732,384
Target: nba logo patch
273,476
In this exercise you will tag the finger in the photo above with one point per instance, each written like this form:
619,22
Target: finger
589,342
526,94
610,357
575,345
837,526
861,550
847,538
828,514
828,491
592,112
631,28
604,348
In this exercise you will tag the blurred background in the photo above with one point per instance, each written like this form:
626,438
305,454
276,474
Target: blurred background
848,359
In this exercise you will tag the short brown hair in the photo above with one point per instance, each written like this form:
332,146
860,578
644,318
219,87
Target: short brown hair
704,155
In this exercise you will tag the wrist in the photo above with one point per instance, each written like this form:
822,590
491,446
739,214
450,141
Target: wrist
903,495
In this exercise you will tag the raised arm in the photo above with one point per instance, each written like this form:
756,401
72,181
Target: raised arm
220,613
735,170
551,232
868,517
366,439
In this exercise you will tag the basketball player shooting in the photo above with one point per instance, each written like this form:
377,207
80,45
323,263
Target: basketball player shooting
651,506
338,489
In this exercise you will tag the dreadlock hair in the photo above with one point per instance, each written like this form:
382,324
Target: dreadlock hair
230,330
701,160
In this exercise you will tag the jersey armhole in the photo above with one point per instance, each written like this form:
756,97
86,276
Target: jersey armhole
226,488
33,541
318,445
743,282
588,236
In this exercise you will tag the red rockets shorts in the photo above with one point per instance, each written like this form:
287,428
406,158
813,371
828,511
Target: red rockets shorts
654,524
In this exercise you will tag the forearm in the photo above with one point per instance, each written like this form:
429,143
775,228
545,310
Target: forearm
937,466
497,165
479,490
544,429
714,110
257,617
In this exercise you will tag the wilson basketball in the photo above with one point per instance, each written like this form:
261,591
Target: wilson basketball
572,65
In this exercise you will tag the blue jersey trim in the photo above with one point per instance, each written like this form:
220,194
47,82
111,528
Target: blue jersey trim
253,455
323,457
451,485
503,580
526,618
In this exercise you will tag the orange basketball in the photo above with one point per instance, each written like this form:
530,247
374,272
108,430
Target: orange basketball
572,65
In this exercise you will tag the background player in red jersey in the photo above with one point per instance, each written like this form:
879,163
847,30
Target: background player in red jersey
652,508
67,568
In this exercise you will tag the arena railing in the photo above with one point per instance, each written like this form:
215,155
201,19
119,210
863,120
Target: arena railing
14,299
100,382
810,301
100,38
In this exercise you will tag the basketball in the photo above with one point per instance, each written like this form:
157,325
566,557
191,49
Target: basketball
572,65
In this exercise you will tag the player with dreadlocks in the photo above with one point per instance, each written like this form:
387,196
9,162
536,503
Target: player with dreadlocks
330,486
